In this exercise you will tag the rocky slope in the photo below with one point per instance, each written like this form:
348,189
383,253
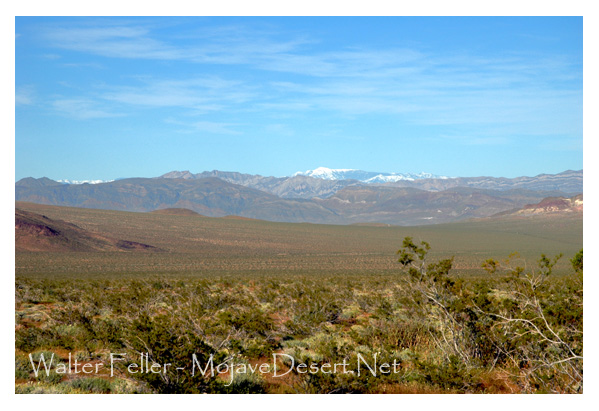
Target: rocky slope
567,182
550,206
36,232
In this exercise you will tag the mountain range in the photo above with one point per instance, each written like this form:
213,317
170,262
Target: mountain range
304,198
324,182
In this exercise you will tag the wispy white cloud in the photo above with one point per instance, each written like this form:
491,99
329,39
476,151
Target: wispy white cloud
202,94
24,95
453,92
209,127
228,45
112,41
83,65
476,139
51,56
270,51
506,92
82,109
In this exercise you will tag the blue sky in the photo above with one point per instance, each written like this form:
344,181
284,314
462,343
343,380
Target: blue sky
106,98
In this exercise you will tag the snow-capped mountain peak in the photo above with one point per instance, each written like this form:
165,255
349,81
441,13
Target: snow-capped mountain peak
369,177
75,182
326,173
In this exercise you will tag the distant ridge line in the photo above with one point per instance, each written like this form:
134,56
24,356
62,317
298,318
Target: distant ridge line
308,199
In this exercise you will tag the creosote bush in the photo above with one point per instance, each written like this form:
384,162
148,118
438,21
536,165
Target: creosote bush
526,324
515,329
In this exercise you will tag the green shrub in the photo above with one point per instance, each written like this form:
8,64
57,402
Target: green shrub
577,262
167,343
93,385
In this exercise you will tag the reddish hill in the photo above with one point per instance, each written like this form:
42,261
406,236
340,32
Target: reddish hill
555,205
36,232
549,206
